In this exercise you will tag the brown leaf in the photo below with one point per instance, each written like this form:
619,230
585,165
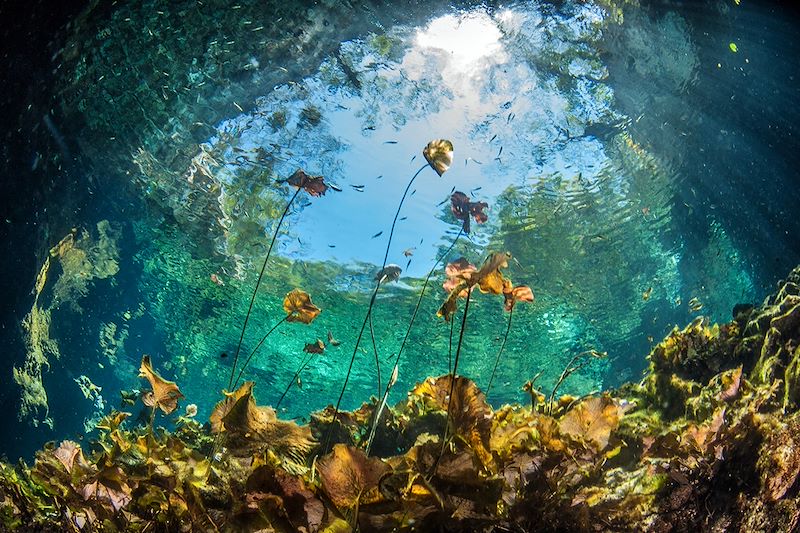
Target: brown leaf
457,272
388,273
462,208
439,155
470,415
67,452
592,420
299,307
165,394
731,381
488,279
350,478
315,347
250,429
522,293
315,186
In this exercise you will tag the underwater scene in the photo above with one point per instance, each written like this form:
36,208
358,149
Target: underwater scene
337,266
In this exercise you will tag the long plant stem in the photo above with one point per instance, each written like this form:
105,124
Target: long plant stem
375,349
450,348
499,353
249,357
294,378
389,384
369,309
258,284
453,380
349,370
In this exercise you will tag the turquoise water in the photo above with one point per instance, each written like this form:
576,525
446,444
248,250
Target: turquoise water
637,162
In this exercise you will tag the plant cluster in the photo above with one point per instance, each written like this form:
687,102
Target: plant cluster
706,442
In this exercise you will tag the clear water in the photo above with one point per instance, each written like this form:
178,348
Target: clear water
638,162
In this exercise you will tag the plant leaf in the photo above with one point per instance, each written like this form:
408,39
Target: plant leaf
462,208
313,185
592,420
522,293
439,155
165,393
299,307
350,478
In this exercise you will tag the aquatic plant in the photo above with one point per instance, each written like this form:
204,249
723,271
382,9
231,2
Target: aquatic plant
313,185
462,208
512,295
299,308
439,156
623,460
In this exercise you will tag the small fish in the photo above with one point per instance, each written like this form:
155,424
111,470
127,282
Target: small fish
359,188
377,235
335,187
646,294
476,189
510,117
500,152
305,204
331,340
299,382
331,246
493,137
413,193
695,304
223,355
403,218
389,142
452,190
412,159
379,177
408,263
477,161
408,252
443,202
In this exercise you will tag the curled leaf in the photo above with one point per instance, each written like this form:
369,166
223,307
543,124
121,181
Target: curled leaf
488,279
522,293
251,429
350,478
462,208
470,415
313,185
388,273
439,155
315,347
299,307
165,394
592,420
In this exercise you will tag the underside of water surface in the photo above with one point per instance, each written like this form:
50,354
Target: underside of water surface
445,245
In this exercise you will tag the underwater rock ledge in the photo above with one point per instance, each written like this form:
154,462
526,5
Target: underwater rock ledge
706,442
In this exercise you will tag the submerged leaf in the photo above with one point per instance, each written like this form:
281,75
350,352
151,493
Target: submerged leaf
299,307
165,394
522,293
314,347
488,279
250,429
388,273
350,478
592,420
439,155
313,185
470,415
462,208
